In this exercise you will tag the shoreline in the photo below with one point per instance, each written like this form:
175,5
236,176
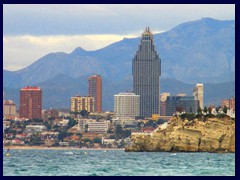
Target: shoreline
55,148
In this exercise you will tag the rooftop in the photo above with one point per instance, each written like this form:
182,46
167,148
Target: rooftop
31,88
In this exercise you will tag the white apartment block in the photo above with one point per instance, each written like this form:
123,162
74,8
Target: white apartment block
198,94
126,105
93,126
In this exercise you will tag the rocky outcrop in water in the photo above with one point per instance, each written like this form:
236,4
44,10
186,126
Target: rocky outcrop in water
212,135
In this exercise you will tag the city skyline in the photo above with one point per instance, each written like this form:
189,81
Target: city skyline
23,46
75,108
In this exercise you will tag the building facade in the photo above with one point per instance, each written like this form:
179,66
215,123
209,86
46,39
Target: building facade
126,105
163,98
198,94
79,103
95,90
93,126
9,108
181,104
229,103
30,102
146,70
50,113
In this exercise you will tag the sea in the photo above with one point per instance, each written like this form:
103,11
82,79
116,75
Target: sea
115,163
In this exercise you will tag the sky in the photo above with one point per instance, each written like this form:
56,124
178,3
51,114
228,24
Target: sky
32,31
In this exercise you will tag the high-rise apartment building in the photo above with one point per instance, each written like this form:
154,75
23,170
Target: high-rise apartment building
126,105
146,70
95,90
229,103
30,102
79,103
9,108
163,98
198,94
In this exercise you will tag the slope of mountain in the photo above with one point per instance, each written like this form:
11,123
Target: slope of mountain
198,51
58,90
201,51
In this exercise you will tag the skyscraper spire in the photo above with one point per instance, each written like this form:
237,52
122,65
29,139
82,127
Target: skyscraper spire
147,32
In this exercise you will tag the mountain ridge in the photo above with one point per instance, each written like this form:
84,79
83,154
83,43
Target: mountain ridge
201,51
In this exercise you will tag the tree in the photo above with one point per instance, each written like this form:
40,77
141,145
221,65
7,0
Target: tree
149,123
86,128
71,123
121,144
84,113
161,121
210,110
205,109
225,109
49,127
63,135
199,110
118,131
217,109
97,140
35,140
126,133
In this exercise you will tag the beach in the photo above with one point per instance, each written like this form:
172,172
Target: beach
57,148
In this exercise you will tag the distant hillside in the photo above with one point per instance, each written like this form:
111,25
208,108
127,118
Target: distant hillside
201,51
58,90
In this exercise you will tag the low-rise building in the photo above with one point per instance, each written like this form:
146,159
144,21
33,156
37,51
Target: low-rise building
61,122
35,128
93,126
49,135
124,121
17,142
90,136
49,113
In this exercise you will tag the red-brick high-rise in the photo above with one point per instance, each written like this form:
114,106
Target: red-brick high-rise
95,90
30,102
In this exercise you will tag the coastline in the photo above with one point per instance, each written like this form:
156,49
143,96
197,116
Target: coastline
56,148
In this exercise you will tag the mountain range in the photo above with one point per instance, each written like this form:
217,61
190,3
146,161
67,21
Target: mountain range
201,51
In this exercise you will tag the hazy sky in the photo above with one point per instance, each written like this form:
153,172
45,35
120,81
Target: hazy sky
32,31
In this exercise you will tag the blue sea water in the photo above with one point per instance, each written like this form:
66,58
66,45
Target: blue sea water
116,163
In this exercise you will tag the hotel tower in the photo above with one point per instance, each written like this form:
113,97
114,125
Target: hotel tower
146,71
30,102
95,90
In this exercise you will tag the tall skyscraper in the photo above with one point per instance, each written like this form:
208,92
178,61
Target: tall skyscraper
95,90
126,105
198,94
30,102
146,70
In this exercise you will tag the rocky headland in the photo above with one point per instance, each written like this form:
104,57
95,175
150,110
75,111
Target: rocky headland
177,135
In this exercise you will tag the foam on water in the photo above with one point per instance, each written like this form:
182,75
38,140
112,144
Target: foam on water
116,163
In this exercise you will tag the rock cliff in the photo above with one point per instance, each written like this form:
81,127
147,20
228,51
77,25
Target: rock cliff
211,135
